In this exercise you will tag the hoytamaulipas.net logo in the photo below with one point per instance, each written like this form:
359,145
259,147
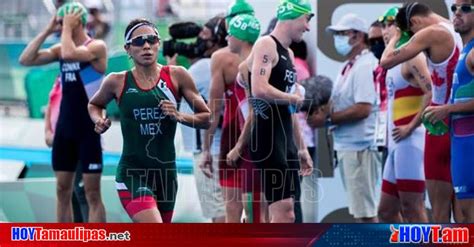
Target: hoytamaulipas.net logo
80,234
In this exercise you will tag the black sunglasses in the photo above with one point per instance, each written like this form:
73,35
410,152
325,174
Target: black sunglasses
141,40
465,8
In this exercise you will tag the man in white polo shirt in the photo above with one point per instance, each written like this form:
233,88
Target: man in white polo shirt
352,117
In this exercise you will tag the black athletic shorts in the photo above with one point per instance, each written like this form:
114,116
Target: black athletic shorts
280,176
86,151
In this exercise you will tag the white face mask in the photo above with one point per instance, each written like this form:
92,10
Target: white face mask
341,42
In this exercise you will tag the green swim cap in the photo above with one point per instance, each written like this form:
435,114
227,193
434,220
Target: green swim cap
73,6
293,9
239,7
390,15
245,27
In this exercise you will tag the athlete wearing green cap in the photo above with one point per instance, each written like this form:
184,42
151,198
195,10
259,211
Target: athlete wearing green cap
271,77
293,9
238,7
83,62
73,7
244,30
224,68
409,92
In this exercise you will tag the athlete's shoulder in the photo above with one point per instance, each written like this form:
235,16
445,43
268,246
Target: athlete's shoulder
436,32
97,44
177,69
178,73
114,82
265,41
224,59
223,54
98,47
115,77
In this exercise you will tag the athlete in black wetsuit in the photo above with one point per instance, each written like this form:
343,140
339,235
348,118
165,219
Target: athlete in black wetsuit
83,62
276,147
271,147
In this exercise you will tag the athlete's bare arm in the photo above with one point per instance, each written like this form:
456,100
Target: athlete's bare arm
32,55
424,40
48,129
437,113
187,88
110,88
244,137
95,51
262,60
218,64
418,67
306,162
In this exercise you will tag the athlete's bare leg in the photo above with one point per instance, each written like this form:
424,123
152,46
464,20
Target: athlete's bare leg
64,187
282,211
151,215
233,204
458,214
93,196
440,194
389,209
467,208
413,207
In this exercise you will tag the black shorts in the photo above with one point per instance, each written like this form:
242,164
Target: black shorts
69,152
280,178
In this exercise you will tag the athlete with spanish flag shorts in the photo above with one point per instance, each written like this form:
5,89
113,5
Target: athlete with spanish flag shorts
148,98
408,87
434,36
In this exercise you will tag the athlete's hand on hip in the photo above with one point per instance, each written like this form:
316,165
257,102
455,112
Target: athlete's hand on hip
401,132
72,19
206,164
102,125
169,109
306,163
435,114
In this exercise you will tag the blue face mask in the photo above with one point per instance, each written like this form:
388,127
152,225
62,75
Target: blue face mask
341,42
